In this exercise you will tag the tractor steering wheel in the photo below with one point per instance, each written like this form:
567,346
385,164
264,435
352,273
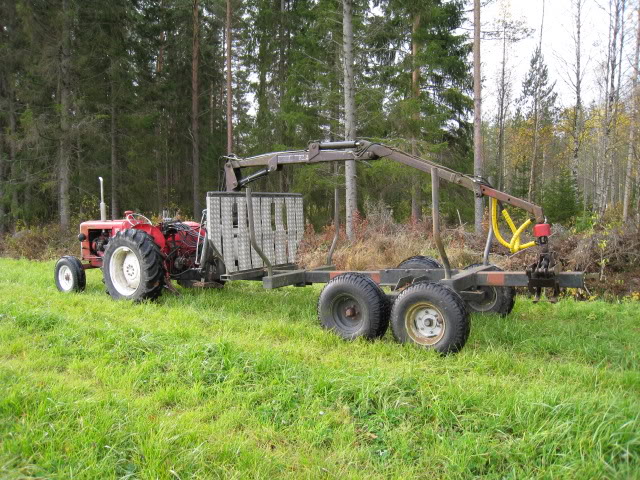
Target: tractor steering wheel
137,219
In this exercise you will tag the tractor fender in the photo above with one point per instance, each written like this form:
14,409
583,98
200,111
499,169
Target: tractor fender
155,233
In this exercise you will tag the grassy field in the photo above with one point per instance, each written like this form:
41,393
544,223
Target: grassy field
242,383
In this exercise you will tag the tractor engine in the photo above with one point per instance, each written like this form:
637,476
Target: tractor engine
183,241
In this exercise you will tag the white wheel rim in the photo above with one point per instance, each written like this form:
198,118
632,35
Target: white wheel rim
65,278
124,270
425,323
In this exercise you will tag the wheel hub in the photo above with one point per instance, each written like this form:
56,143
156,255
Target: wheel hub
65,278
428,323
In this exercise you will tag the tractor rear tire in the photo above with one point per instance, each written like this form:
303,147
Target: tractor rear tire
420,262
352,305
432,316
133,267
499,300
69,275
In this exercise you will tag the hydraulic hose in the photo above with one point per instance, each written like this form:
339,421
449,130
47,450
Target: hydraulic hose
514,245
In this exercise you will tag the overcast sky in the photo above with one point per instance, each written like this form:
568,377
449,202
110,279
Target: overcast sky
557,45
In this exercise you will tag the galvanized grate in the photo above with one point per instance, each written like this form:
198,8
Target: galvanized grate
228,228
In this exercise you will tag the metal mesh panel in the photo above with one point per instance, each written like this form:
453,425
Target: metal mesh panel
256,261
228,247
292,229
268,235
299,219
244,255
214,227
281,235
278,223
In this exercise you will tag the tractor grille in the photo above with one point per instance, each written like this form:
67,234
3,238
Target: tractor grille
278,222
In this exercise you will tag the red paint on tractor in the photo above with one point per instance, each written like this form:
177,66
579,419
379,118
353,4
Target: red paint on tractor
155,233
495,278
542,230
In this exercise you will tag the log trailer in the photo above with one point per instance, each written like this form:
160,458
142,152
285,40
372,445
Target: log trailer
255,236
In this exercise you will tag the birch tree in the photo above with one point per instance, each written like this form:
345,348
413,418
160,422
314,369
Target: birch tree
349,113
633,125
477,113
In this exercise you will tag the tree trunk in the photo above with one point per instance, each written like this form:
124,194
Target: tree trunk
615,174
532,173
195,133
416,190
13,154
577,111
477,113
633,124
114,152
212,105
229,90
610,111
3,213
63,144
536,119
349,114
502,108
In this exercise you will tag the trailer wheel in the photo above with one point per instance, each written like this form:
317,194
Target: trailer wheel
132,267
69,275
353,305
432,316
498,300
383,326
419,262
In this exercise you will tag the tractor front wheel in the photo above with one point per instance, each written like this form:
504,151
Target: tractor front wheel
69,275
132,266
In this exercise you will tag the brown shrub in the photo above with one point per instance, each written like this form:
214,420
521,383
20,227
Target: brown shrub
40,243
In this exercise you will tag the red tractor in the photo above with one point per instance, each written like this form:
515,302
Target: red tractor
138,259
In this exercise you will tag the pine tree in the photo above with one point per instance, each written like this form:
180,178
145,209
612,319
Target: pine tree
538,102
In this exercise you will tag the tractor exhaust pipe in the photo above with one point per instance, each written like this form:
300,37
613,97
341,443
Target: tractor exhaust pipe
103,207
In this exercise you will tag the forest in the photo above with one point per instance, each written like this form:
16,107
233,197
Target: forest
153,94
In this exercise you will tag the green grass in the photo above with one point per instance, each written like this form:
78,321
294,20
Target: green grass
242,383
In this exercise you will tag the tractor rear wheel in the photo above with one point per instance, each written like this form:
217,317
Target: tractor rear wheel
498,300
353,305
132,266
432,316
69,275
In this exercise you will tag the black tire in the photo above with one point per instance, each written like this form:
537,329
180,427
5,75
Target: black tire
69,275
146,262
420,262
386,307
352,305
499,300
432,316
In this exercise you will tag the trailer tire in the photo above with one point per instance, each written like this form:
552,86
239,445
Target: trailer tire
432,316
386,307
420,262
69,275
501,300
133,267
352,305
